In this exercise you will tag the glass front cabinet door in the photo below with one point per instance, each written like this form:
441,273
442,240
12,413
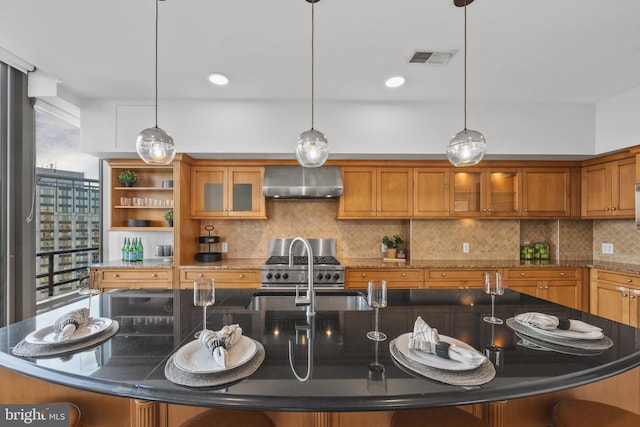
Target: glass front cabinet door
486,192
227,192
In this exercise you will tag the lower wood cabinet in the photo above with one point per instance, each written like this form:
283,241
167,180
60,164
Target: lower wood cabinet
223,278
616,296
135,278
404,278
457,278
559,285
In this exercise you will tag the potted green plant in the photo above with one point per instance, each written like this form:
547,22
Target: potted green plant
392,244
168,215
127,177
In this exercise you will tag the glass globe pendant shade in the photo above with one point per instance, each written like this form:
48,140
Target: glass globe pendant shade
466,148
155,146
312,149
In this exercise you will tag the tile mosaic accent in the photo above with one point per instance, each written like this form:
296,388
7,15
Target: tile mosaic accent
570,239
624,236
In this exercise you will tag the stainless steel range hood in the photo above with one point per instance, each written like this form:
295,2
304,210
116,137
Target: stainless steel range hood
297,182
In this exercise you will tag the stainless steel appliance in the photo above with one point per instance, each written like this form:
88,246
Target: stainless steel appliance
327,271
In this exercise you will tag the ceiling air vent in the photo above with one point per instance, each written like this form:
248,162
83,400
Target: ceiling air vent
431,57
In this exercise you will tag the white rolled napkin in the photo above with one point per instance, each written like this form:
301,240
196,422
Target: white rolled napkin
549,322
425,338
68,324
221,341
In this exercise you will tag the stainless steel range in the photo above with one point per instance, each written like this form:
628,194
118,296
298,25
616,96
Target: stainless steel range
327,271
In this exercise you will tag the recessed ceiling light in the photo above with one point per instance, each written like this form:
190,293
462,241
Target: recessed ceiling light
218,79
395,81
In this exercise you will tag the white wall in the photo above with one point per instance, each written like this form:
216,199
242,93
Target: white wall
354,129
618,121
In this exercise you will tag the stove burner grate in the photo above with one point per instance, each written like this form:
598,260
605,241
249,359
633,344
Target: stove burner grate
301,260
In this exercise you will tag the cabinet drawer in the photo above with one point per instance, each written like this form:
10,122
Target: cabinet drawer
543,273
620,278
388,275
223,278
466,274
135,276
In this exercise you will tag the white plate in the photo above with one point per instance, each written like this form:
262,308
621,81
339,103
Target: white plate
402,343
564,334
48,335
195,357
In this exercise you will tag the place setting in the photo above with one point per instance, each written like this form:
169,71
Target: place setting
215,357
73,331
546,331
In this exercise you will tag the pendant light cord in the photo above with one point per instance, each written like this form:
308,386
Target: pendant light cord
312,64
465,66
156,62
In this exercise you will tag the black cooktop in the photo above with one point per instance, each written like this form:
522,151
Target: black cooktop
302,260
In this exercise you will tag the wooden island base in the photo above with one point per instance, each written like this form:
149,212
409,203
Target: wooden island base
100,410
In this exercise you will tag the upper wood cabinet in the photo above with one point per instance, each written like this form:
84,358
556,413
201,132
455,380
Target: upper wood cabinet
146,199
492,192
370,192
227,192
608,189
546,192
431,192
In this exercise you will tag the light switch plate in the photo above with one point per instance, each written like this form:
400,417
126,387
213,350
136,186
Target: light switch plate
225,248
607,248
465,248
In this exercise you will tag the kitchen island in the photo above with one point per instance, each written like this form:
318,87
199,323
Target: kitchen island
154,324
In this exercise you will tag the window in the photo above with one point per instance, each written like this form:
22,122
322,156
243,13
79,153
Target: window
67,208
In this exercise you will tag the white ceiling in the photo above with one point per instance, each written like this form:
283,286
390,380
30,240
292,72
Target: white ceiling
569,51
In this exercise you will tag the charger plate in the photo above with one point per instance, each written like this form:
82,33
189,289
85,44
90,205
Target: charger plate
48,335
428,359
600,344
60,348
177,375
195,357
474,377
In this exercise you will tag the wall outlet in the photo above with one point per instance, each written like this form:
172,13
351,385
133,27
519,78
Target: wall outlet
465,248
225,248
607,248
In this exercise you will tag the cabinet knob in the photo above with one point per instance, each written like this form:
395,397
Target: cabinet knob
523,274
624,295
242,276
628,280
606,209
540,287
446,210
613,208
154,275
404,275
632,296
545,287
484,209
562,273
526,210
444,274
363,275
116,275
200,275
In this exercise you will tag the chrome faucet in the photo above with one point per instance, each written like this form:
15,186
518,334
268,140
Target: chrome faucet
310,299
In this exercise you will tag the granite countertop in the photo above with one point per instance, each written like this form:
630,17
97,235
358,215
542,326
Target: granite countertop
154,324
147,263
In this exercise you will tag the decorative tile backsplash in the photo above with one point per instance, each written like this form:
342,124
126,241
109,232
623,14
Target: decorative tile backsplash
570,239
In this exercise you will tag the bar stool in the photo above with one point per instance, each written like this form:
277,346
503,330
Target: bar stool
440,417
228,418
584,413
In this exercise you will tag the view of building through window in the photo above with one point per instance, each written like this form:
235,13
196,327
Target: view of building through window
66,210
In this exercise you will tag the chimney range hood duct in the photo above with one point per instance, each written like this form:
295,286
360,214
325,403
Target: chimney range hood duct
297,182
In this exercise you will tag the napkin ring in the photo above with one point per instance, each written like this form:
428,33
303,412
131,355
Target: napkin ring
217,343
442,349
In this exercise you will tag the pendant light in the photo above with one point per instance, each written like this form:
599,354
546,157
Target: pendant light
312,149
467,147
154,145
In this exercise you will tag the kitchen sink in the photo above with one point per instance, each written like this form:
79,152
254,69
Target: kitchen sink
325,301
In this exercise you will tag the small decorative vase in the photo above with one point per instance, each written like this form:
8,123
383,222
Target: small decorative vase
170,223
128,184
391,252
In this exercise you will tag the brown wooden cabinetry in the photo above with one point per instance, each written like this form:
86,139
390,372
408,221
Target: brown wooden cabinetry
135,278
146,199
223,278
370,192
457,278
431,192
616,296
546,192
399,278
494,192
227,192
608,189
559,285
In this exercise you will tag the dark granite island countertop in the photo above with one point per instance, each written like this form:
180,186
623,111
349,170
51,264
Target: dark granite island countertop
154,324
